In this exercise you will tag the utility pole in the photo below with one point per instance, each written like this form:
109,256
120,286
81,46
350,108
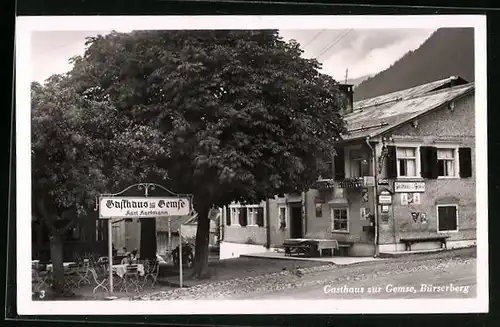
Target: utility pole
346,71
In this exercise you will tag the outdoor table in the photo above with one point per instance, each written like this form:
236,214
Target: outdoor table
120,270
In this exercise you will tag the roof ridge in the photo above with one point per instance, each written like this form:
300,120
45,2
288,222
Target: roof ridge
444,80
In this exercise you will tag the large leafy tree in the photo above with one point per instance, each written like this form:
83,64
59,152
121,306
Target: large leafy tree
81,148
245,115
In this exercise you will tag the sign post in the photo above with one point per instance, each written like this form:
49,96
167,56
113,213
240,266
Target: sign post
180,255
169,221
116,206
110,254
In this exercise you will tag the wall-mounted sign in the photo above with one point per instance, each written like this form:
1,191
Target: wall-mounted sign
364,213
364,194
384,199
410,198
413,198
369,181
143,207
385,209
383,181
406,187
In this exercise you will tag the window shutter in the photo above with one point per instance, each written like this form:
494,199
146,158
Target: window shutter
424,162
339,163
391,162
465,162
260,217
428,162
228,216
243,216
447,216
432,162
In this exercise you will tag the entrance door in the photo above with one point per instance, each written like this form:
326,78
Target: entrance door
296,221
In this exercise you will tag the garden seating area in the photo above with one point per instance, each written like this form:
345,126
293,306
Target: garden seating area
90,274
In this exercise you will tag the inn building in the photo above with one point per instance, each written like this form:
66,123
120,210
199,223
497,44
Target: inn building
405,169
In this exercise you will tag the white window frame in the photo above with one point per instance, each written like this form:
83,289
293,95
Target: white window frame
278,221
456,162
252,215
437,217
332,217
235,221
250,221
418,173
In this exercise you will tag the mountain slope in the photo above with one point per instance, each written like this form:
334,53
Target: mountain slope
358,80
447,52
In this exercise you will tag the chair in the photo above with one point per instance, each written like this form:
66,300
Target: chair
131,279
100,282
84,272
40,282
71,277
152,270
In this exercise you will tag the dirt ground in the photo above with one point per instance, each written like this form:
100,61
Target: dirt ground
254,278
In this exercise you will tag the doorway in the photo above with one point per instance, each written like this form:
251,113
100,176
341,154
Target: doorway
296,221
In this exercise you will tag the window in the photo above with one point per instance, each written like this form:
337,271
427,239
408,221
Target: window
252,216
235,216
340,220
359,163
446,162
406,162
246,215
281,217
319,209
447,218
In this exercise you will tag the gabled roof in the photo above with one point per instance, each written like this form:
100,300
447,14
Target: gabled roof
378,115
411,92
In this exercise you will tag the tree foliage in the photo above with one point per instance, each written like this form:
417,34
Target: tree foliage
81,148
228,115
246,116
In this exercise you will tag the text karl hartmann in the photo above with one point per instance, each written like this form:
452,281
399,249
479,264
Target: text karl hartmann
396,289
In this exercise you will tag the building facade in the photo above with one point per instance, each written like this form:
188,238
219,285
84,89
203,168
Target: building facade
405,169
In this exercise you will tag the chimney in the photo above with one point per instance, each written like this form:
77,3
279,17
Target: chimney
347,91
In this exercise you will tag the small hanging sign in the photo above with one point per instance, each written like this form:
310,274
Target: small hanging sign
404,199
383,181
413,198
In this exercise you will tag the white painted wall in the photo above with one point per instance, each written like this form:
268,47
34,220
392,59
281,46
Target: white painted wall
234,250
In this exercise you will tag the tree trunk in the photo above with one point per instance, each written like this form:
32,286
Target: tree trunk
148,239
200,267
56,256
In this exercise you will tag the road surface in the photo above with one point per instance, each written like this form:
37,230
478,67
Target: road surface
385,280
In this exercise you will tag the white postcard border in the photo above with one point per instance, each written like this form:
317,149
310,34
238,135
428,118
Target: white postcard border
27,25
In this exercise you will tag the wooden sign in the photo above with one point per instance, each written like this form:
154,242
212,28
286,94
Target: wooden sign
385,199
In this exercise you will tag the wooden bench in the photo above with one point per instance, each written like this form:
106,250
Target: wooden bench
408,241
327,244
344,247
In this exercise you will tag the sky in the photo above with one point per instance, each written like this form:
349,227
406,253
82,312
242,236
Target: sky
359,51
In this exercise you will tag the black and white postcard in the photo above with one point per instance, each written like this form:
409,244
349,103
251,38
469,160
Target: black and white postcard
251,165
